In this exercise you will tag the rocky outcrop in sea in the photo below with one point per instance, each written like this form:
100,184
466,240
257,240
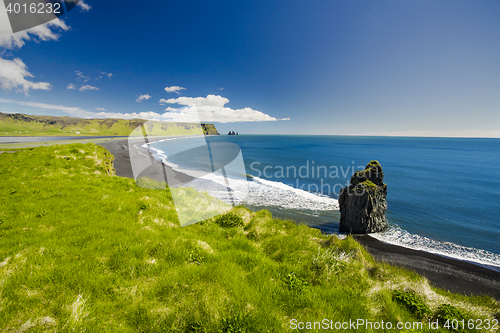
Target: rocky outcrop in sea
363,203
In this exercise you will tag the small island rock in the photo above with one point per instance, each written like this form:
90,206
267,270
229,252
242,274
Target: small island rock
363,203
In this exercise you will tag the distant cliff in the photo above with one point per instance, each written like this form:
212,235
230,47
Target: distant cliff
16,124
363,203
209,129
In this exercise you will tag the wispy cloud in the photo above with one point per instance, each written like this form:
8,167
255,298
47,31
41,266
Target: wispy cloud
143,97
103,74
68,109
87,87
71,86
141,115
81,113
100,109
83,6
171,109
42,32
212,109
175,89
81,77
13,74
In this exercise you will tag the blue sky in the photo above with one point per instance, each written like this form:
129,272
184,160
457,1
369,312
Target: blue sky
419,68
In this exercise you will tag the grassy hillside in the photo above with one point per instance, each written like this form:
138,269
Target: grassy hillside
17,124
84,250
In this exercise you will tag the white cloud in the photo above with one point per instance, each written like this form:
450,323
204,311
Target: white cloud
68,109
143,97
71,86
210,100
220,88
13,75
212,109
175,89
141,115
87,87
171,109
42,32
81,77
109,75
83,6
100,109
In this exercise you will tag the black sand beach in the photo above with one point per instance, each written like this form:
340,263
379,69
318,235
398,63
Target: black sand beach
157,171
446,273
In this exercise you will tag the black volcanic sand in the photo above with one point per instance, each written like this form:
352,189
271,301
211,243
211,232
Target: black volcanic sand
445,273
119,149
158,171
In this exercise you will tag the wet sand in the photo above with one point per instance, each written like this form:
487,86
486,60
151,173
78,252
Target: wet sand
445,273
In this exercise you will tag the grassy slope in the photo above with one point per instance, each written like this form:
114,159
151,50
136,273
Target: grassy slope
81,249
21,124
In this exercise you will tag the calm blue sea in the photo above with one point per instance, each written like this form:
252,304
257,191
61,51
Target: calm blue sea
443,193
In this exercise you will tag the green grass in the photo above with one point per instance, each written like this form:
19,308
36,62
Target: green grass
446,313
84,250
413,303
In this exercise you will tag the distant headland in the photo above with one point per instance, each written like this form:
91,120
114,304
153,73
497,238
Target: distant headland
18,124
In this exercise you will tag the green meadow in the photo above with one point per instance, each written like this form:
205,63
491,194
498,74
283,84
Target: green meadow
82,250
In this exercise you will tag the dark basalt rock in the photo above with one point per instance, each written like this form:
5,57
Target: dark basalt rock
363,203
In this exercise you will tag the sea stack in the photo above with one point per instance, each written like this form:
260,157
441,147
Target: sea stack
363,203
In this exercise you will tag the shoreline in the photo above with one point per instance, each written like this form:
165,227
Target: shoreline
443,272
451,274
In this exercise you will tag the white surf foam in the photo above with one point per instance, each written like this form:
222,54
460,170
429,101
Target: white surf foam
400,237
261,192
258,192
148,145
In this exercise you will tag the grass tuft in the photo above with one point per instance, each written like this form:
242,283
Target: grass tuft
229,220
447,313
413,303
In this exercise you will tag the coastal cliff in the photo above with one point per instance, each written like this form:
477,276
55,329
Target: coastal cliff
363,203
16,124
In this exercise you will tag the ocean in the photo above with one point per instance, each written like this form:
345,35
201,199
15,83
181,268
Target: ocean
443,193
